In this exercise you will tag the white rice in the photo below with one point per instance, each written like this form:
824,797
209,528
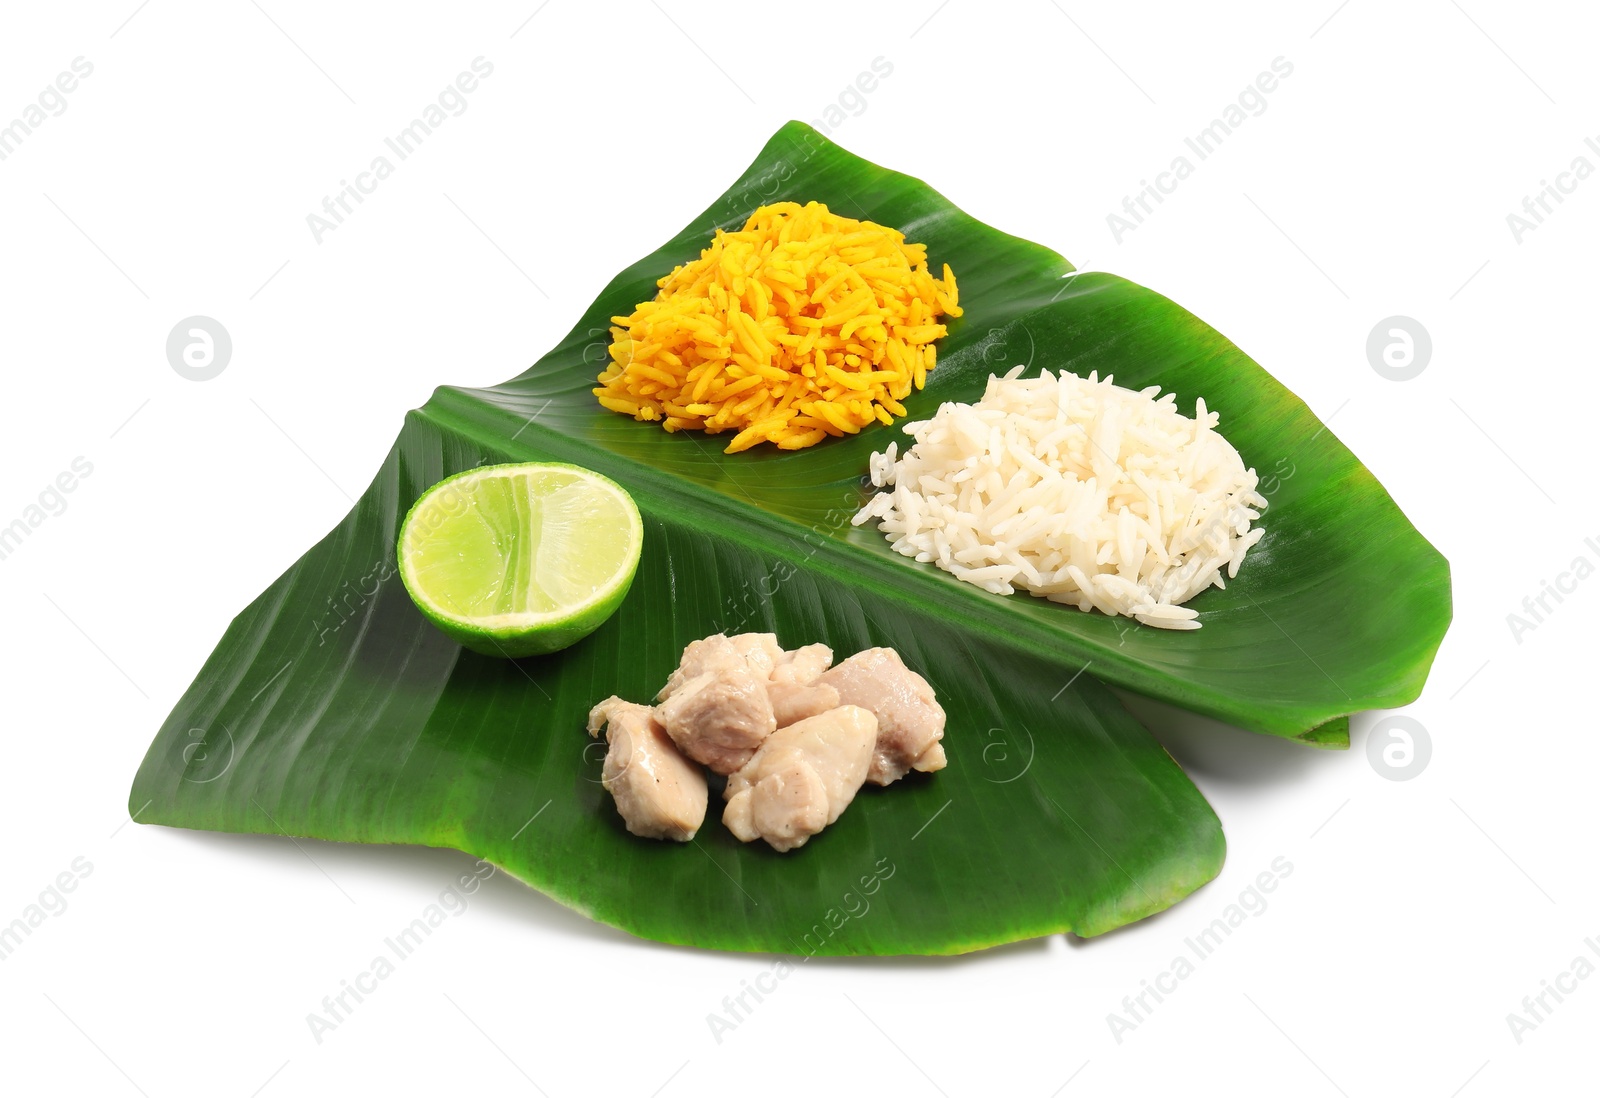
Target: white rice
1077,491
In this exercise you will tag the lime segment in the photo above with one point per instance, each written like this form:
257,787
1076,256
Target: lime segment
517,560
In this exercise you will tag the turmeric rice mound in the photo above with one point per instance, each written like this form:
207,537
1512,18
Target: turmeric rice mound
803,324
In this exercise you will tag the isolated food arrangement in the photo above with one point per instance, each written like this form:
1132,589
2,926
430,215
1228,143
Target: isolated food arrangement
789,529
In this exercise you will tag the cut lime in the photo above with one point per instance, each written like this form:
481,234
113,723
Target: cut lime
518,560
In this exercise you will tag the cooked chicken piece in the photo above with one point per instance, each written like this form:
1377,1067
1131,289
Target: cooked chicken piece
792,703
753,652
660,794
802,778
803,665
760,650
910,721
719,717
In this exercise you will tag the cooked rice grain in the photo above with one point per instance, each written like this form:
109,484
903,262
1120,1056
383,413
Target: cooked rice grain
1075,490
803,324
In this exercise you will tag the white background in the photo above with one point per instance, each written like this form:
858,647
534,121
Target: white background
1418,913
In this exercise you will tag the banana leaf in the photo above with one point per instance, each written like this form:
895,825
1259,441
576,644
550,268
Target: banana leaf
1057,812
330,709
1293,646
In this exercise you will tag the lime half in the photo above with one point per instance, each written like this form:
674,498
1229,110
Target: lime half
518,560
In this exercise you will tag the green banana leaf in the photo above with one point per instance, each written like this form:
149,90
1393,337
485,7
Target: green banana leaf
1293,645
332,710
1058,811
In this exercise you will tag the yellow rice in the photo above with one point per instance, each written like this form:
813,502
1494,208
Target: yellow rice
803,324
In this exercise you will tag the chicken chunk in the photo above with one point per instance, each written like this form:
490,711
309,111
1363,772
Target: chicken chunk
792,703
760,650
659,793
803,665
753,652
802,778
719,718
910,721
